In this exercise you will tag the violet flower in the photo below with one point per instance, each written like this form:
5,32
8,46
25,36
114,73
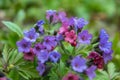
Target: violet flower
23,46
78,64
31,35
107,56
84,37
90,72
54,56
41,68
43,56
38,47
50,42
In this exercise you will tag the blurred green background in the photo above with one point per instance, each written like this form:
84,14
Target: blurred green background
99,13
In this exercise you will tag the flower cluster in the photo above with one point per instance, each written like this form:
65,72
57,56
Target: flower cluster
41,43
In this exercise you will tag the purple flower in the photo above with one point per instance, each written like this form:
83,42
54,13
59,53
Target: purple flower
105,46
43,56
54,56
107,56
80,23
41,68
38,47
51,16
29,55
39,25
103,35
31,35
90,72
84,37
78,64
24,45
50,42
71,76
62,17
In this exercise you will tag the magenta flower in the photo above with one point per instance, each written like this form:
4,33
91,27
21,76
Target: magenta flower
41,68
71,76
24,46
31,35
90,72
84,37
29,55
97,59
71,37
51,16
78,64
50,42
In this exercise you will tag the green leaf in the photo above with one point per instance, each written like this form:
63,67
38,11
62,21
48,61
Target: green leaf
13,27
111,70
5,53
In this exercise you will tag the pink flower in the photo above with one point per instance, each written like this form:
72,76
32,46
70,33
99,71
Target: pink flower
29,55
62,30
71,37
71,76
3,78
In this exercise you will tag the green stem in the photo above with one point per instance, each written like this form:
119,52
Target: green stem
63,48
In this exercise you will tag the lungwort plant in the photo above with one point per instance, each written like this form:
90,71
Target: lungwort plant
58,49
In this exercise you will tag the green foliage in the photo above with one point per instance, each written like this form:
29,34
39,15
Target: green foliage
13,27
109,74
15,67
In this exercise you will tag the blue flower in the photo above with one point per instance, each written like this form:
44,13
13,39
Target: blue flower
50,42
39,25
105,46
31,35
43,56
40,22
80,23
84,37
78,64
38,47
107,56
90,72
103,35
41,68
24,45
54,56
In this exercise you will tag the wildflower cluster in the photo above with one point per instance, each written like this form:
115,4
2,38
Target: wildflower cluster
42,44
